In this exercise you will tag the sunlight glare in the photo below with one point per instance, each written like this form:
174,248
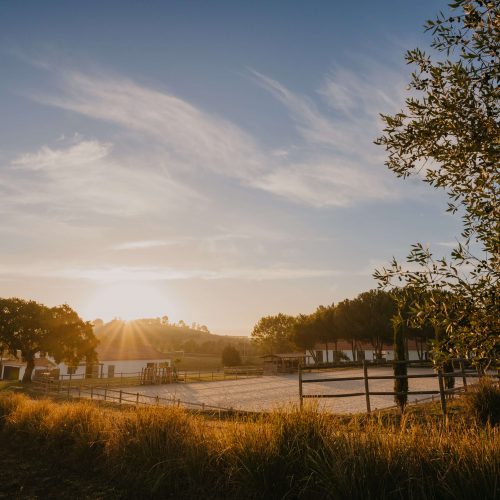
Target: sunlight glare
127,301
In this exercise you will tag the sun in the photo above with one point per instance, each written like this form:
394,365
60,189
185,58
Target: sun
127,301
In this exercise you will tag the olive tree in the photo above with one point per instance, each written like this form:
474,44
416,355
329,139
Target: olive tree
449,134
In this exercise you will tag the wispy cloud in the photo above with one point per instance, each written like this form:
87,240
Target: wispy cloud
144,274
344,167
191,136
331,167
84,178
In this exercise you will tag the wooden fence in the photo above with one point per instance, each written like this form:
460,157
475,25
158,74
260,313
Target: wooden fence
439,375
108,394
160,376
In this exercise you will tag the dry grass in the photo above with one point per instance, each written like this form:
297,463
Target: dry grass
167,452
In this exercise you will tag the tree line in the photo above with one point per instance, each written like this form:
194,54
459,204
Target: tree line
368,318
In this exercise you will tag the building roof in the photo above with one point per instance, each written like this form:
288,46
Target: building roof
285,355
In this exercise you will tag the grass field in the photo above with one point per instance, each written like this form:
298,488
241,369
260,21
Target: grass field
167,452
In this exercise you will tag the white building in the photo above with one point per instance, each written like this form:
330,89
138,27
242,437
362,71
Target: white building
364,350
113,362
13,369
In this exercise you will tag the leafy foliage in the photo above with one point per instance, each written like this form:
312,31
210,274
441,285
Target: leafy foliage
272,334
450,135
231,356
32,328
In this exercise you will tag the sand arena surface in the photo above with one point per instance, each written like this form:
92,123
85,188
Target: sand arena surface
278,391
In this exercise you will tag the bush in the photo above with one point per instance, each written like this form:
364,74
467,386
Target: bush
483,402
231,356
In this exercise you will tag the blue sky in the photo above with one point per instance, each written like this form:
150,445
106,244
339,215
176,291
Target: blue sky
212,161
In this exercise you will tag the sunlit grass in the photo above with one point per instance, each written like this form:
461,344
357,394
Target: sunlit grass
289,454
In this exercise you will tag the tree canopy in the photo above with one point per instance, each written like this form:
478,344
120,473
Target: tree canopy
449,134
31,328
272,334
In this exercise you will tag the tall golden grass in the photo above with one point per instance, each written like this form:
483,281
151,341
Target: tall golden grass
167,452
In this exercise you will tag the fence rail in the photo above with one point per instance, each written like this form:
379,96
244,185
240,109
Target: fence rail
138,378
106,394
441,376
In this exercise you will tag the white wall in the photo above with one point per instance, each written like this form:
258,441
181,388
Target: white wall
132,366
369,355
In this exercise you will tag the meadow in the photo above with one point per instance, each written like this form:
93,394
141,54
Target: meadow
169,452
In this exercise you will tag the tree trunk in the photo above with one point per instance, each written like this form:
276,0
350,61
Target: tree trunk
326,345
400,369
449,382
30,366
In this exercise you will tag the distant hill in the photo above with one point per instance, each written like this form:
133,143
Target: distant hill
166,338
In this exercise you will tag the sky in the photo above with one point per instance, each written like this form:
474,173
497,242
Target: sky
209,161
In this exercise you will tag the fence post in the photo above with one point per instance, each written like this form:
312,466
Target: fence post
79,392
441,392
464,378
157,400
300,386
105,392
367,389
91,392
120,397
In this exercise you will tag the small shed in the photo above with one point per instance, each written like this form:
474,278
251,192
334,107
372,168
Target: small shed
283,362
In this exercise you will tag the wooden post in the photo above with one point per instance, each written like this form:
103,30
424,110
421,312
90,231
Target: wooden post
137,399
367,389
79,392
120,397
91,392
105,393
300,386
441,391
464,378
157,400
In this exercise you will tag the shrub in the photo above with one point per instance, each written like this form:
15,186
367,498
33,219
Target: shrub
231,356
483,402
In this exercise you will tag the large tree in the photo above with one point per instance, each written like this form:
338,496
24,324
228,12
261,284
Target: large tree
449,134
32,328
272,334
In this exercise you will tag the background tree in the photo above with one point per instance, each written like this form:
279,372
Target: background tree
449,134
347,325
272,334
231,356
373,311
326,329
305,334
31,328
